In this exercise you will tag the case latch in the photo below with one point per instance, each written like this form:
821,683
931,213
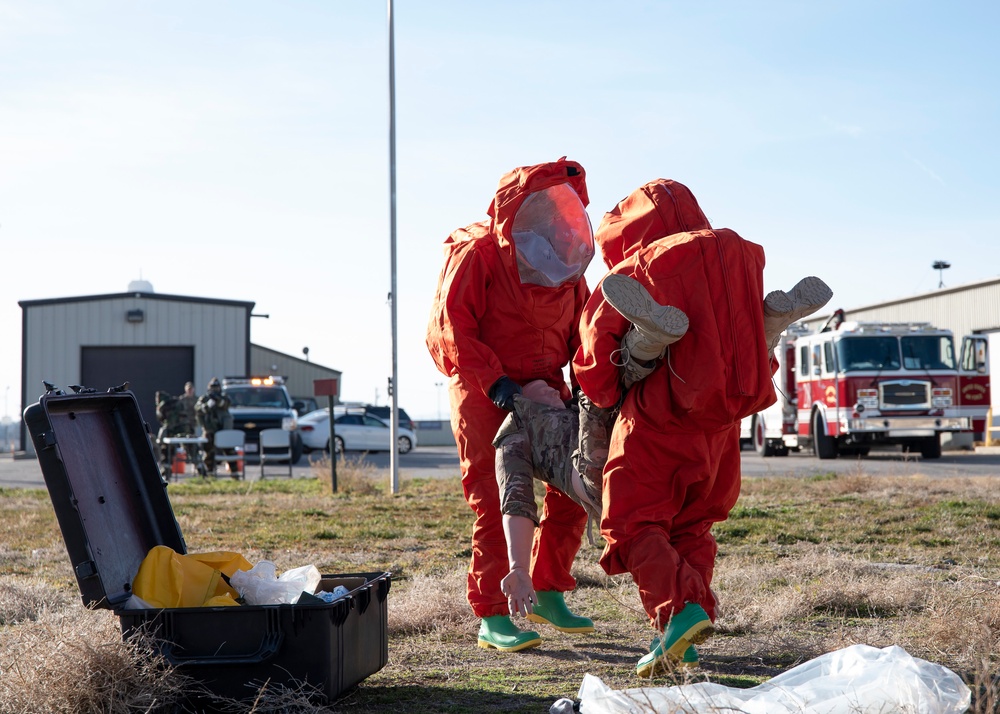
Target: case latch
48,439
86,569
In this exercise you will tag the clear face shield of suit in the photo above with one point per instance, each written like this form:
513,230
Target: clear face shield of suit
553,238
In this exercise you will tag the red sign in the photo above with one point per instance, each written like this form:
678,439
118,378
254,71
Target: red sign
325,387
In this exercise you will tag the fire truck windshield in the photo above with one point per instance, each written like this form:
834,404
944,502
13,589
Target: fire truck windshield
860,353
928,352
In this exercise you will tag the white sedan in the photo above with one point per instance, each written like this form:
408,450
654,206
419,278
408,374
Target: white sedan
353,431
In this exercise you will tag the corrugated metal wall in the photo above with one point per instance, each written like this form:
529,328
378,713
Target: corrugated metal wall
963,310
299,373
55,333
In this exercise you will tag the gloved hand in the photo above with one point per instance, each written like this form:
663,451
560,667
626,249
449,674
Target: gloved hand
539,391
211,403
502,393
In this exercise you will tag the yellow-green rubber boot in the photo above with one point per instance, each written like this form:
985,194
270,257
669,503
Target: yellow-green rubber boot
551,609
499,633
688,661
690,626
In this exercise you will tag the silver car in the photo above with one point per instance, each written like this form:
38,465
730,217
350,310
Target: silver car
353,431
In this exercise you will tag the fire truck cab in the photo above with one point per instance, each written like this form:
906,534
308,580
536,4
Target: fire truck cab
855,385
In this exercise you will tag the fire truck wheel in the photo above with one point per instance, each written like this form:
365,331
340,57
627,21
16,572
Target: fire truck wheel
824,445
930,448
760,443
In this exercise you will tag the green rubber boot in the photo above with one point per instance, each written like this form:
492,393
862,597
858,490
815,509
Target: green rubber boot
499,633
688,661
551,610
690,626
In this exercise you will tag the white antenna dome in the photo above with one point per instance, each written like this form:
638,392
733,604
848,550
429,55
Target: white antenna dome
140,286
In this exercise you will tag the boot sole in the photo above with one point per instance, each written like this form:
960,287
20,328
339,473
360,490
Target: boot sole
633,301
532,617
487,645
808,296
674,656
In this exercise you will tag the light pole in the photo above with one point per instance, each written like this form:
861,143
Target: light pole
941,266
439,385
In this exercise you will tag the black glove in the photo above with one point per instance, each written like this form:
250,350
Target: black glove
502,393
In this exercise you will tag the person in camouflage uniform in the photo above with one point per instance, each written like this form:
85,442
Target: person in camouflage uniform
188,400
173,422
212,409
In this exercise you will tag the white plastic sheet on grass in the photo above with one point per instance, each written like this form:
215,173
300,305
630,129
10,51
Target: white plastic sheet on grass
854,680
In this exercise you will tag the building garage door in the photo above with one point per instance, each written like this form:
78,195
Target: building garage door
146,369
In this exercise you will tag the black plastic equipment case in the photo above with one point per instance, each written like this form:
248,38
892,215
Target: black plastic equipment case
112,508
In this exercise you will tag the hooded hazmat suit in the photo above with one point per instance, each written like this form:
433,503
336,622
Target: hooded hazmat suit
508,304
673,467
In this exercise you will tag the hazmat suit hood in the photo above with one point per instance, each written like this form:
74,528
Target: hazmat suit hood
540,223
658,209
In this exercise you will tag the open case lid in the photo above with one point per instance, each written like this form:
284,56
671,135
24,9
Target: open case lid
110,500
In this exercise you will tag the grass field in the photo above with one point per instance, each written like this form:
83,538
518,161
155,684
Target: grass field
806,566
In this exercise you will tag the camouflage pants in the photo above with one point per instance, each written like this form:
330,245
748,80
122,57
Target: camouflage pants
594,442
540,442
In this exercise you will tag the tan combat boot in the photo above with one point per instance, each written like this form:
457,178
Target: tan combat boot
654,326
781,309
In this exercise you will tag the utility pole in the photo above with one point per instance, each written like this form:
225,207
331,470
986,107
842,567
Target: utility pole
394,379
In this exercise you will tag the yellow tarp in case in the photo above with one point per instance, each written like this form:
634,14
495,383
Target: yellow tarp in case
168,579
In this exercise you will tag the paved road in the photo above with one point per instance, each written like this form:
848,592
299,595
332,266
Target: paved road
423,462
891,462
442,462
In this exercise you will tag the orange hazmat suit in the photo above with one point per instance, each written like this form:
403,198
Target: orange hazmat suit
673,467
508,305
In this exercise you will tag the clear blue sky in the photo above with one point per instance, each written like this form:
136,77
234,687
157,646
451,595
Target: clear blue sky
239,150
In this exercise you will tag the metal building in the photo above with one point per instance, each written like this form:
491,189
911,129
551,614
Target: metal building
973,308
298,373
155,342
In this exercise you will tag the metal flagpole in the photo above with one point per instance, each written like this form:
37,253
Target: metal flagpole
393,381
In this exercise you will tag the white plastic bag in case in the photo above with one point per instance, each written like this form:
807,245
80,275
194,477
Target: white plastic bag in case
259,586
855,680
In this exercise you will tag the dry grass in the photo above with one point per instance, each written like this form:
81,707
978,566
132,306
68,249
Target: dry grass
805,566
74,660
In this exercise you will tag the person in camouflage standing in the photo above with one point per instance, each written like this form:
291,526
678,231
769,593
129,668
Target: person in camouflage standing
212,409
174,421
188,400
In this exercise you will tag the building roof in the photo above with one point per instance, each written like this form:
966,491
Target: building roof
143,295
939,292
298,360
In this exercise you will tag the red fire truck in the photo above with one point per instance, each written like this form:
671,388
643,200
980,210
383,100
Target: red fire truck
854,385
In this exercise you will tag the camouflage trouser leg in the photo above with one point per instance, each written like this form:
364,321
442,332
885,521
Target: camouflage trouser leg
208,452
594,440
534,442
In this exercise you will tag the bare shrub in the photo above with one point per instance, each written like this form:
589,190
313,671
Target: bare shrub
354,474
